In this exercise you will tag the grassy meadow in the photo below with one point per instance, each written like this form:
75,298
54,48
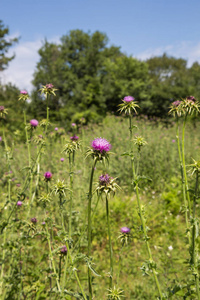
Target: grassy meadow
33,261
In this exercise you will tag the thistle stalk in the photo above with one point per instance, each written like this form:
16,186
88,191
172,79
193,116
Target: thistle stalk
90,228
110,243
71,164
194,254
184,167
182,179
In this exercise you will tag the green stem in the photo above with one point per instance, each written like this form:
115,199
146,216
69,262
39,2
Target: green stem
47,114
64,275
52,260
71,193
3,264
184,167
75,273
194,250
146,239
27,141
110,243
90,228
183,181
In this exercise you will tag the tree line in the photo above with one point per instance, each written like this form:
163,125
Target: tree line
92,77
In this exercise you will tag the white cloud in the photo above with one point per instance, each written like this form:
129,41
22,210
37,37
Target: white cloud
186,50
21,68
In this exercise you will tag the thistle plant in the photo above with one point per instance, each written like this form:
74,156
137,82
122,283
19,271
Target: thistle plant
48,90
99,151
70,149
107,185
129,106
194,221
184,108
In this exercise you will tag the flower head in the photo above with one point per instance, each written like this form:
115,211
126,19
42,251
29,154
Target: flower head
128,99
19,203
34,220
176,103
74,138
101,145
23,95
23,92
3,111
48,89
104,179
48,176
56,129
191,98
63,250
0,138
34,123
129,104
125,230
62,159
73,124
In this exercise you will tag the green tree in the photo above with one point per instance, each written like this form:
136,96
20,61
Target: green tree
169,81
76,68
5,44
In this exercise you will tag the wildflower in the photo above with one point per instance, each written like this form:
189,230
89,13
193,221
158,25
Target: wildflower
100,149
23,95
107,185
63,250
24,92
176,103
48,89
128,99
34,123
3,111
173,141
104,179
139,141
62,159
125,230
48,176
74,138
129,104
43,223
170,248
56,129
34,220
0,138
19,203
101,145
191,98
73,124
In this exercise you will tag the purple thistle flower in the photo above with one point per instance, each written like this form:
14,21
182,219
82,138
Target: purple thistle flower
63,250
19,203
18,184
191,98
173,141
104,179
125,230
74,138
2,108
43,223
73,124
48,176
0,138
34,123
101,145
128,99
176,103
49,86
56,129
34,220
62,159
24,92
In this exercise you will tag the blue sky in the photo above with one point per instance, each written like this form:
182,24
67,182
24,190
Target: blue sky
143,28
